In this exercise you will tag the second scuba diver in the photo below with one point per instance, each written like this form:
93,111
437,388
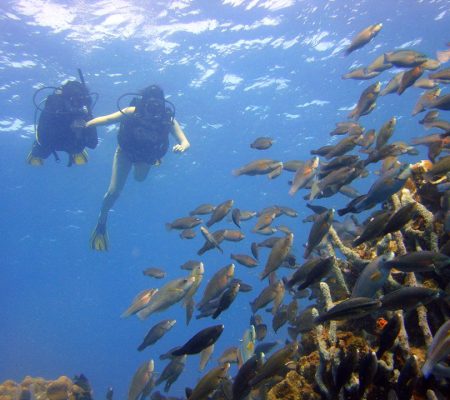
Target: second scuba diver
143,139
60,125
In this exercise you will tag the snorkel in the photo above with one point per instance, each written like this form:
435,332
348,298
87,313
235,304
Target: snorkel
83,82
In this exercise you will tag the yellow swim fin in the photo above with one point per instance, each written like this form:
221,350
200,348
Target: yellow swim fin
35,161
80,158
99,238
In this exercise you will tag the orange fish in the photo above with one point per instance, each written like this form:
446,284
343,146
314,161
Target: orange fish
304,175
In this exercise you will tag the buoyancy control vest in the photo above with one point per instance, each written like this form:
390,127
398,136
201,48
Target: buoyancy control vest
144,135
65,105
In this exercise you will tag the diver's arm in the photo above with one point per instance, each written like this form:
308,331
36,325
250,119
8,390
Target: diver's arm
181,137
110,118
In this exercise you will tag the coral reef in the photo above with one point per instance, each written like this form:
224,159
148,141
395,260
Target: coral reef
327,368
295,386
62,388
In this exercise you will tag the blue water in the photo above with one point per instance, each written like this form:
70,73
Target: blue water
235,70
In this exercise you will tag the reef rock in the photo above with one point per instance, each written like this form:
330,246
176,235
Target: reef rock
59,389
62,388
293,387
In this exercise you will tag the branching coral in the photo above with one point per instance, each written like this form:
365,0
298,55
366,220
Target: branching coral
428,234
349,254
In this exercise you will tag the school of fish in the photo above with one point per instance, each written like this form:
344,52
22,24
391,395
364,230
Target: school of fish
377,324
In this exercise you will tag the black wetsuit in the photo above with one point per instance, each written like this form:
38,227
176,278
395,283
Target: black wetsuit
144,139
55,133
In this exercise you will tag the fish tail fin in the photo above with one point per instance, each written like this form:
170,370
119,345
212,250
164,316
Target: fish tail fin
307,253
354,114
240,359
319,319
141,347
357,241
236,172
177,352
142,314
168,226
315,190
166,386
286,283
443,56
343,211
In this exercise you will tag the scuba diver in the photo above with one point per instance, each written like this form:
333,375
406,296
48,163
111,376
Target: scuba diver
143,140
61,124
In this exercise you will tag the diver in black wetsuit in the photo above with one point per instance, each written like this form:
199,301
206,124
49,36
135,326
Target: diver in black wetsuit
143,141
61,125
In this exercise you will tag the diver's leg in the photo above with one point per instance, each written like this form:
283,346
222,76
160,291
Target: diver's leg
141,171
120,170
